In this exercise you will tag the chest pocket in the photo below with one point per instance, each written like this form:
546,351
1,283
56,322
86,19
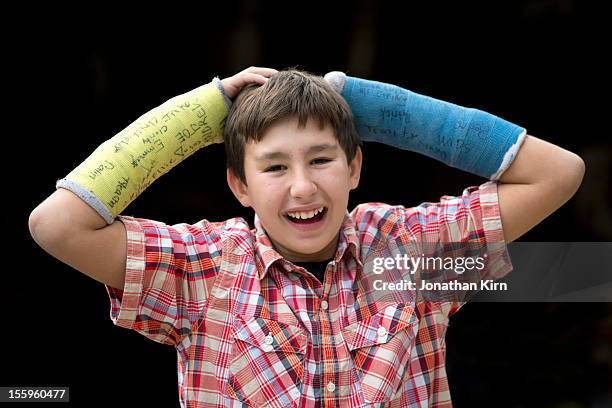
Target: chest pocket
380,347
266,363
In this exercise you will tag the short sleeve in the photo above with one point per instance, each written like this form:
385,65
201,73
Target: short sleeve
457,224
169,273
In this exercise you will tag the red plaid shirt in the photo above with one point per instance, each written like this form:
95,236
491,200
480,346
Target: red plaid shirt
252,329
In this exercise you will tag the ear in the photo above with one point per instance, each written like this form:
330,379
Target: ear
238,188
355,168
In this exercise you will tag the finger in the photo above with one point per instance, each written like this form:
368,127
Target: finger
252,78
266,72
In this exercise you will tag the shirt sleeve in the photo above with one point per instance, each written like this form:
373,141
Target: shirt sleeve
170,271
462,226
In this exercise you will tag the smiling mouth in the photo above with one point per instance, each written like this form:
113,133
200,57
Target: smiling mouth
307,218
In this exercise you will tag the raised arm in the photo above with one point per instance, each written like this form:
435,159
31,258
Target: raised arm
69,229
542,178
77,225
536,177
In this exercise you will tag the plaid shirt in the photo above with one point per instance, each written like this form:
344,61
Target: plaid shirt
252,329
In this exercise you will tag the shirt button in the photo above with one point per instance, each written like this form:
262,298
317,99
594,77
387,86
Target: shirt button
382,331
331,387
324,305
269,339
267,348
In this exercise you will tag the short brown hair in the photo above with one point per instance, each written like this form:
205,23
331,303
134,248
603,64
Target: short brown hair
288,93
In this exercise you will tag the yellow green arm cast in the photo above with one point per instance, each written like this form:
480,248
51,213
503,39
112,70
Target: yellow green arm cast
124,166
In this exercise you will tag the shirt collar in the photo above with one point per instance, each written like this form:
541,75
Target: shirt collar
267,255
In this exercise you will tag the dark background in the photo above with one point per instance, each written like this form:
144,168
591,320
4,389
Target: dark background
77,76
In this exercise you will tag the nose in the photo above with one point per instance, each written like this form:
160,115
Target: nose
302,185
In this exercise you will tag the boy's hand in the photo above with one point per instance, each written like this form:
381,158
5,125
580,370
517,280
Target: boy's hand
251,75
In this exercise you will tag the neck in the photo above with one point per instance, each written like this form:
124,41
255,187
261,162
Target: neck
325,254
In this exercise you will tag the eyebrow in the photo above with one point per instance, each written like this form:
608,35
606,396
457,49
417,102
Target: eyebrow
282,155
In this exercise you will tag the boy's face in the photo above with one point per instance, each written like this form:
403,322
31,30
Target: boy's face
291,175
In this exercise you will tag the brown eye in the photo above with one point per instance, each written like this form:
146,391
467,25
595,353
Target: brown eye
321,160
275,168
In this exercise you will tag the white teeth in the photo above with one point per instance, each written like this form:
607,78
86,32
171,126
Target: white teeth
304,215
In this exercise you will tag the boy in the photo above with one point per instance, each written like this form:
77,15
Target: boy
287,314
